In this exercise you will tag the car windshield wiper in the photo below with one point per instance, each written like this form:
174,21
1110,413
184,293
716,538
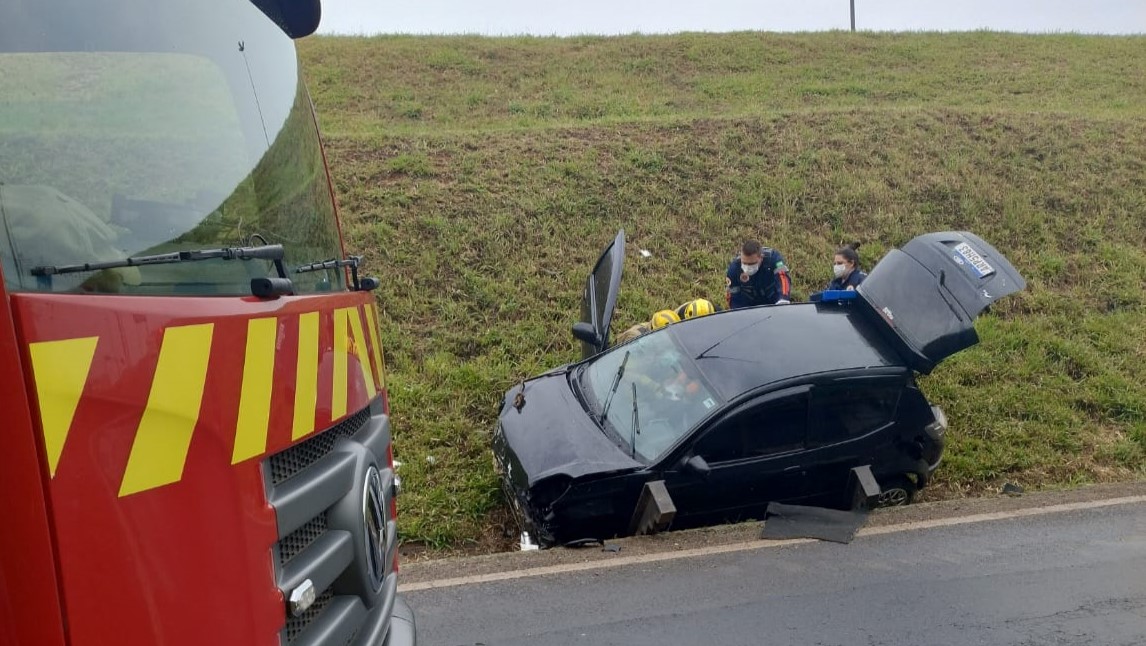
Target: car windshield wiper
613,388
636,424
272,252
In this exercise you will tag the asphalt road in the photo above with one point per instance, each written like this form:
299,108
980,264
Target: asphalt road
1057,579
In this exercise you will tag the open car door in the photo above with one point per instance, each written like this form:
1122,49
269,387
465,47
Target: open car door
600,299
930,291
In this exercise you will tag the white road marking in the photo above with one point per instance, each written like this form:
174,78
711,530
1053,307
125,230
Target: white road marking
760,544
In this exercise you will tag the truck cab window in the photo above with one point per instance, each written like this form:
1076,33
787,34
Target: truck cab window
128,142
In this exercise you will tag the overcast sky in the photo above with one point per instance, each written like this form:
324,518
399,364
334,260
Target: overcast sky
564,18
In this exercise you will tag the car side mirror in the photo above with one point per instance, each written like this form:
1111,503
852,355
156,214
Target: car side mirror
584,332
697,465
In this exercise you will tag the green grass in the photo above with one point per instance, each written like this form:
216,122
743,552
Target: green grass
402,85
480,177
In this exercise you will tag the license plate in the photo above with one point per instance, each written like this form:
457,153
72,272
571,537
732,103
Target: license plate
968,256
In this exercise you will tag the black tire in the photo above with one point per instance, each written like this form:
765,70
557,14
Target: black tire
896,491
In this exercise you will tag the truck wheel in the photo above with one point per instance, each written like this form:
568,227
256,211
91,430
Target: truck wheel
896,491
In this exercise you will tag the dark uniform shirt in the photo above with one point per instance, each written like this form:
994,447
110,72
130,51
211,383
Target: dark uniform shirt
852,281
769,284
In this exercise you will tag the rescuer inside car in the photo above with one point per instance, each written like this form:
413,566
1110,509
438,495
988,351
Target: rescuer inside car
691,309
758,276
659,320
694,308
846,271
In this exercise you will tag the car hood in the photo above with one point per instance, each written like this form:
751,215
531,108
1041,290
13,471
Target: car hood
552,434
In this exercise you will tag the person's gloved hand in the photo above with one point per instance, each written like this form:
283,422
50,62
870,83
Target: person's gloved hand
783,302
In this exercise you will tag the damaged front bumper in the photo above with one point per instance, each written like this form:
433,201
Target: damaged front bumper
533,533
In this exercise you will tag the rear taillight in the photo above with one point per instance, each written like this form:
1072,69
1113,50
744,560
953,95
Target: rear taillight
938,428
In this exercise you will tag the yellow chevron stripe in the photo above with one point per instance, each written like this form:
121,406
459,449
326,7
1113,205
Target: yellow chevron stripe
306,375
376,337
164,433
255,398
60,370
338,392
362,351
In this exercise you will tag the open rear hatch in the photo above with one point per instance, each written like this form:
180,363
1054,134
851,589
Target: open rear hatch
600,299
930,291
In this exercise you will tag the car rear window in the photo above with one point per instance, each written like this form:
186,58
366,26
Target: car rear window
853,410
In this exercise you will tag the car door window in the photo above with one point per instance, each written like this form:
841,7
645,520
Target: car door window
847,411
767,429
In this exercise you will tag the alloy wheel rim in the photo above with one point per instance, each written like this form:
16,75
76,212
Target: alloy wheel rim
893,497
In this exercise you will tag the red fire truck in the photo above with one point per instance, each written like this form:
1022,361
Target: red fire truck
195,445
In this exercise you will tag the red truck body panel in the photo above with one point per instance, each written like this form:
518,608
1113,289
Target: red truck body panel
29,601
154,414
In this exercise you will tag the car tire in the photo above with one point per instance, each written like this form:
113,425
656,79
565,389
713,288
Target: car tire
896,491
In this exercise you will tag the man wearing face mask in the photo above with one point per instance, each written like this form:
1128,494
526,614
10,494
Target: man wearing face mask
758,276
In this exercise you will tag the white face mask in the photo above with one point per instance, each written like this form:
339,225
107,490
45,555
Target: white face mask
750,269
839,270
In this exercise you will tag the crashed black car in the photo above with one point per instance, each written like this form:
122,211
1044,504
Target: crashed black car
743,407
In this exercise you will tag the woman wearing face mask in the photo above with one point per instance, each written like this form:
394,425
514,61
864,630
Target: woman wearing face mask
846,268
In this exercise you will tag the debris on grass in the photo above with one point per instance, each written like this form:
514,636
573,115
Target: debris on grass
1012,489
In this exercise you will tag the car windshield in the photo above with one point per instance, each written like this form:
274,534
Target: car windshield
138,127
670,393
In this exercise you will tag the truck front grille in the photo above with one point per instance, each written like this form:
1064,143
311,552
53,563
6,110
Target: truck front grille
302,455
301,538
318,489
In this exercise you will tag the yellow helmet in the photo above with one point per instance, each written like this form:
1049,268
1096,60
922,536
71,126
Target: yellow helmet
663,318
698,307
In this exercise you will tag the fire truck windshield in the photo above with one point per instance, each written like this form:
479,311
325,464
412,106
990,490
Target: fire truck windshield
140,127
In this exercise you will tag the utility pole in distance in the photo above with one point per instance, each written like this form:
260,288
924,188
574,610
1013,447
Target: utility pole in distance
853,5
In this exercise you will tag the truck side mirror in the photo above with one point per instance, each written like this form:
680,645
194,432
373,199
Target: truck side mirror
298,18
584,332
697,465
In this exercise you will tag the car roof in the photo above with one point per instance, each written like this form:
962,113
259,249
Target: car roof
743,349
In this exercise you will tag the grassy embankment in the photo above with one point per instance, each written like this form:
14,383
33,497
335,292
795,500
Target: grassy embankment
481,176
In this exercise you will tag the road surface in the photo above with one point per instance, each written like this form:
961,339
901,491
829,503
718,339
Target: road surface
1075,577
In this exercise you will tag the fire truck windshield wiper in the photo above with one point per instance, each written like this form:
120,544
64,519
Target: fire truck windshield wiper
338,263
272,252
333,263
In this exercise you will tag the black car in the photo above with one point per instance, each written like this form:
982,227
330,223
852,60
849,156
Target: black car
742,407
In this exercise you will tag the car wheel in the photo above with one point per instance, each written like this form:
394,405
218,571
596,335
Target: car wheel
896,492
